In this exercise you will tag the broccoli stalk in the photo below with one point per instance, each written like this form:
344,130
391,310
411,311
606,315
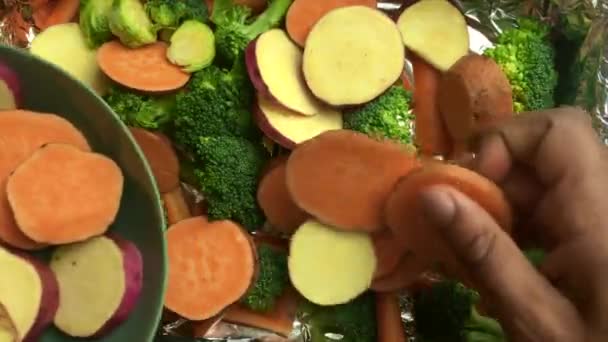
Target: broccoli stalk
141,110
271,282
227,174
527,57
354,321
446,312
235,29
386,117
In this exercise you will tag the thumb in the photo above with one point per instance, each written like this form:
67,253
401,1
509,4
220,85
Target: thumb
525,302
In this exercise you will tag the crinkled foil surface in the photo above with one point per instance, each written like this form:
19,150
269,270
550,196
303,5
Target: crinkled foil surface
583,24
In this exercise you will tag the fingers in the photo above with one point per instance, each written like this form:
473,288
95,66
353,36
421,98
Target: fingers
497,267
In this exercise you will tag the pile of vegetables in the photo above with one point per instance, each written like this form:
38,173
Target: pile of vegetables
293,123
59,195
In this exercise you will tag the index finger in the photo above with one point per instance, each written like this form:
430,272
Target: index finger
552,143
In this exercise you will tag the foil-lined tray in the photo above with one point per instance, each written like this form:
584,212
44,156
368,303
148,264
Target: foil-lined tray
582,28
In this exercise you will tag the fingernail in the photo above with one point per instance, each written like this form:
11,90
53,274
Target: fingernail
438,206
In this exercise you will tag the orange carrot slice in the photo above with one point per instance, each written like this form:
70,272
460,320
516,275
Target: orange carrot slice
343,178
404,215
274,199
55,12
160,155
21,134
407,271
62,194
431,134
388,316
176,206
211,266
388,253
304,14
279,320
146,68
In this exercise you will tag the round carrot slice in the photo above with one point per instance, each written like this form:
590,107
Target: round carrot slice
343,178
404,216
21,134
161,157
211,266
146,68
274,199
62,194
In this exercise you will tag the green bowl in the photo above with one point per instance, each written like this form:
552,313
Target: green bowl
141,218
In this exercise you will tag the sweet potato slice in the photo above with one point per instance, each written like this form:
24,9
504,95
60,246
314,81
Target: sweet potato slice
276,203
388,252
344,177
176,206
161,157
328,266
21,133
388,317
29,294
405,217
279,320
352,55
436,31
473,94
62,194
211,266
407,271
114,266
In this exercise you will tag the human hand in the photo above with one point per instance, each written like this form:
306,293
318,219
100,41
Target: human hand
554,171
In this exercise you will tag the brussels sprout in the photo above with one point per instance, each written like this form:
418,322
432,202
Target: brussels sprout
192,46
130,23
94,21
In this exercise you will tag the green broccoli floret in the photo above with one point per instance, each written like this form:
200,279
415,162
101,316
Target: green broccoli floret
141,110
235,27
446,313
228,177
171,13
271,282
354,321
386,117
215,103
527,57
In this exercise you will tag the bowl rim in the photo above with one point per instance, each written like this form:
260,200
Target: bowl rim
23,53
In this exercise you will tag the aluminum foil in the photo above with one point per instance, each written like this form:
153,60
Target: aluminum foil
581,28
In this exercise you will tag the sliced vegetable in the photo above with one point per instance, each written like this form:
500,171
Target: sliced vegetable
10,89
304,14
29,294
106,273
388,253
342,264
84,188
211,266
8,331
344,177
352,55
436,31
146,68
56,13
192,46
274,64
473,94
288,128
279,320
74,56
388,316
175,205
405,273
276,202
405,217
432,136
129,22
94,21
160,156
25,132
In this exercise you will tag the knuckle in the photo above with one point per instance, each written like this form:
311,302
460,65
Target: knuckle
479,248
